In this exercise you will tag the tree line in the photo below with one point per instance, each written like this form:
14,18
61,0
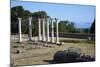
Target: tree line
65,26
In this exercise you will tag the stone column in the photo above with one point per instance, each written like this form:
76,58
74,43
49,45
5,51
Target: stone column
30,29
39,25
43,23
20,34
52,31
48,40
57,34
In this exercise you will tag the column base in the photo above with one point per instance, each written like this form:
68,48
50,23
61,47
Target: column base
18,42
44,41
57,42
53,43
60,43
40,41
30,40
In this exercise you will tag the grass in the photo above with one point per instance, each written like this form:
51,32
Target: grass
37,56
34,55
77,41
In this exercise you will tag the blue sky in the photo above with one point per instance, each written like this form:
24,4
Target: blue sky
81,15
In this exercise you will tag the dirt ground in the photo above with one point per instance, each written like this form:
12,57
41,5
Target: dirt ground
41,54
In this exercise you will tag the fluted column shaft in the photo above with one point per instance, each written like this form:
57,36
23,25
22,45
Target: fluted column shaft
39,25
20,34
48,39
52,31
57,34
30,29
43,23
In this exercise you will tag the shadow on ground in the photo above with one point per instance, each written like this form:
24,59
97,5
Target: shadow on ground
51,61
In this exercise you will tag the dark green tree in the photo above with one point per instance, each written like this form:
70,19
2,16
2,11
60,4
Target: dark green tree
71,27
67,27
92,29
15,13
18,11
35,16
63,26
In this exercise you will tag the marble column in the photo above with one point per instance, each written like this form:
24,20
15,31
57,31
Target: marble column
57,34
52,31
20,34
39,25
48,40
43,23
30,29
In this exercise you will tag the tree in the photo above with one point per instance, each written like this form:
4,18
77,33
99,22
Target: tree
19,11
35,16
92,29
63,26
66,26
16,12
71,27
85,30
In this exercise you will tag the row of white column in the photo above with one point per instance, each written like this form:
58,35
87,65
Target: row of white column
42,36
45,23
30,29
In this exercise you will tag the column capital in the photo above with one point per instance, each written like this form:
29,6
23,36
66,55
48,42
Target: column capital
30,18
19,18
56,20
43,18
39,20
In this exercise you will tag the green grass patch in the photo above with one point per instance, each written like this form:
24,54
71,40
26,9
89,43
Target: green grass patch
78,41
